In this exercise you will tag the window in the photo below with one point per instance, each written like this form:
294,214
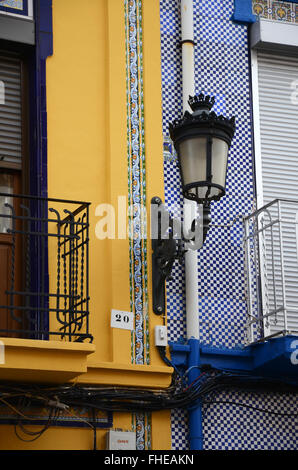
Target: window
11,112
277,79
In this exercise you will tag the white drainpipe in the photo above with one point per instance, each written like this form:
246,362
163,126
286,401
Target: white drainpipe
189,207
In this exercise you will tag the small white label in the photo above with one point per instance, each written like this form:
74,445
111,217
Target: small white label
2,353
161,335
121,440
121,319
294,354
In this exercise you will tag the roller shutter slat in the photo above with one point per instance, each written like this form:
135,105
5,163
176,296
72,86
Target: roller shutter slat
11,111
279,150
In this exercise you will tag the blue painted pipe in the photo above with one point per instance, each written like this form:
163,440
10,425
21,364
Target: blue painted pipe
195,412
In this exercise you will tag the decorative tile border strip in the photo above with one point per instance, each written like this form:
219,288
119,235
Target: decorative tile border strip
136,180
74,417
141,425
136,199
19,7
276,10
15,4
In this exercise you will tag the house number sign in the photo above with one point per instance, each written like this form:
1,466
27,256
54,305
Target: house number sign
121,319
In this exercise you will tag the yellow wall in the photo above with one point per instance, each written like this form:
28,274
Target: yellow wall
60,438
87,160
87,135
78,153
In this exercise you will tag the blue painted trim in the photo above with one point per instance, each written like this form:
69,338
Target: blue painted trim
44,48
271,358
243,12
62,421
276,358
16,11
238,360
45,28
39,161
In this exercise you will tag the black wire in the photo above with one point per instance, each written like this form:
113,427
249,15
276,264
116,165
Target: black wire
129,399
247,405
162,353
94,429
36,434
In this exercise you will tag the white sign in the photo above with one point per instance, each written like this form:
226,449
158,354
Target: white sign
2,92
294,355
121,440
121,319
2,353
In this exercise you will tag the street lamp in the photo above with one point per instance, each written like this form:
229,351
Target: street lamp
202,140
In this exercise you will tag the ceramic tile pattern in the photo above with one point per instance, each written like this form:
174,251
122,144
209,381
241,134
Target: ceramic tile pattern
276,10
222,69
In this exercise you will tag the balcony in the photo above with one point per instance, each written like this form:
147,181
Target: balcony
271,259
44,293
44,256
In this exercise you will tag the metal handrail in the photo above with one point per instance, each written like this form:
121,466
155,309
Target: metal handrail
268,302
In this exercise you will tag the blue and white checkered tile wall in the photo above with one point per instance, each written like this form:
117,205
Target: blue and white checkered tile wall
221,70
227,425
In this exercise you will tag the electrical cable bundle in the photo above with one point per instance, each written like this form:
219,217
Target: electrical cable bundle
203,390
121,399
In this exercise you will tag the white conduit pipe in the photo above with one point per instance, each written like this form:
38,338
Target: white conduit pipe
189,207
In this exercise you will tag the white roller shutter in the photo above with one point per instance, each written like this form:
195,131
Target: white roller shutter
10,111
278,114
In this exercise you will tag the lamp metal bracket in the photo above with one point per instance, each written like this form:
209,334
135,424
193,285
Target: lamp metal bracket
168,245
165,250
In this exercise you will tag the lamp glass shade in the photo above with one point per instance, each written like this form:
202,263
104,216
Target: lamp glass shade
192,153
193,156
220,151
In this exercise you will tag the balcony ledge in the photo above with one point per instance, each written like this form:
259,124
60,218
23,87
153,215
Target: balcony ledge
39,361
28,360
130,375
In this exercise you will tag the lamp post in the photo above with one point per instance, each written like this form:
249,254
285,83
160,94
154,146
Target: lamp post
202,140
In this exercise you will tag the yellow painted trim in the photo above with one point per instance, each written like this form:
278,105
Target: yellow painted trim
154,137
161,439
134,375
43,361
118,281
55,361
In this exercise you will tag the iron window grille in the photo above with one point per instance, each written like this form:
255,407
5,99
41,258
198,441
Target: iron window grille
47,275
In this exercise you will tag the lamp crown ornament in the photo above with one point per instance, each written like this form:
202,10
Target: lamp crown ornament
202,116
201,102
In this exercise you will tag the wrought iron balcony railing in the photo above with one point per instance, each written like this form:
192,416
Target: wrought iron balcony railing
44,263
271,254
